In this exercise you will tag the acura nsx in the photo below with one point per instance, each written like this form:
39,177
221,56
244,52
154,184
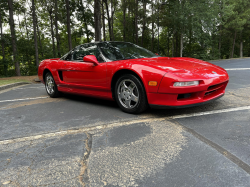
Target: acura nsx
133,76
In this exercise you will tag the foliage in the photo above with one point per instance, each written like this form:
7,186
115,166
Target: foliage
204,29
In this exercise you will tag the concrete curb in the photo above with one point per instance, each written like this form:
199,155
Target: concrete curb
12,85
37,80
228,59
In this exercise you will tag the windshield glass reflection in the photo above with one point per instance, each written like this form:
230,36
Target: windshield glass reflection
122,51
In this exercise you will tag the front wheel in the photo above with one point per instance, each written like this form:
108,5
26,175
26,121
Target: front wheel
130,94
51,86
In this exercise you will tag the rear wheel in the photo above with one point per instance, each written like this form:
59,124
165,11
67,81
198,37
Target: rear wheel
51,86
130,94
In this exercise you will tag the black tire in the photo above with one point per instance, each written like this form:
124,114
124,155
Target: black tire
130,94
51,86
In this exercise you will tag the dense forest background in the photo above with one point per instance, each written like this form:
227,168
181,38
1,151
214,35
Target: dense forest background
33,30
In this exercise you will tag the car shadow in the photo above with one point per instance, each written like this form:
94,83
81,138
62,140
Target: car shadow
216,105
109,104
90,100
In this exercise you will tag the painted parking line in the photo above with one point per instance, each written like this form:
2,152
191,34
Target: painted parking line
32,98
211,112
40,87
116,124
237,69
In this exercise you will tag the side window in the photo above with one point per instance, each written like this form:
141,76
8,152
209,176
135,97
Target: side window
69,56
86,49
66,56
110,52
99,57
63,57
79,53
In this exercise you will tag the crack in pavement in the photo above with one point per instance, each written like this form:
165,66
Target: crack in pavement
217,147
84,176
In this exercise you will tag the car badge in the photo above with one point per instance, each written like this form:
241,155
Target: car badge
214,72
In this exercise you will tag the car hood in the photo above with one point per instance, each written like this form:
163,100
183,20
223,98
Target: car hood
180,65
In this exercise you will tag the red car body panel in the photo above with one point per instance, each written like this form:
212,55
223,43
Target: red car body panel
95,80
84,78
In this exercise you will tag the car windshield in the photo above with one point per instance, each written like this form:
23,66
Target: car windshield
122,51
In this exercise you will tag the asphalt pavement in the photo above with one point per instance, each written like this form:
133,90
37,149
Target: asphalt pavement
82,141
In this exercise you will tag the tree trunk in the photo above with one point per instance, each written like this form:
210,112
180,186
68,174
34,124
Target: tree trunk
173,48
97,16
112,19
57,34
241,45
109,21
52,33
129,12
75,38
136,22
176,44
3,50
103,22
27,32
34,28
158,33
124,20
85,21
68,25
39,38
133,21
221,5
144,21
181,45
168,43
232,54
19,24
13,38
220,43
152,29
241,49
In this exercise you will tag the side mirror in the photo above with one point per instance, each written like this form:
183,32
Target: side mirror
91,58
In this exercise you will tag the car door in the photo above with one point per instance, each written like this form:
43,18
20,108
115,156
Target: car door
84,76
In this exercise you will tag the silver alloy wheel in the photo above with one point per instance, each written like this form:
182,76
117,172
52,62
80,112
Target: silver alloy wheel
128,94
50,84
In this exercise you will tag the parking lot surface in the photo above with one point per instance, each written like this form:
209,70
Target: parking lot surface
82,141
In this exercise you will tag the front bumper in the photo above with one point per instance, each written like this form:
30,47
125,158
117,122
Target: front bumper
183,106
187,98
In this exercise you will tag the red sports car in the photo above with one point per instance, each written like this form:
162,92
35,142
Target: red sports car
133,76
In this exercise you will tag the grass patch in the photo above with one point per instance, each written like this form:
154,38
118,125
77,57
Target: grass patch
10,80
4,82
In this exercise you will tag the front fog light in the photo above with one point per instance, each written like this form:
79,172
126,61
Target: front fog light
191,83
